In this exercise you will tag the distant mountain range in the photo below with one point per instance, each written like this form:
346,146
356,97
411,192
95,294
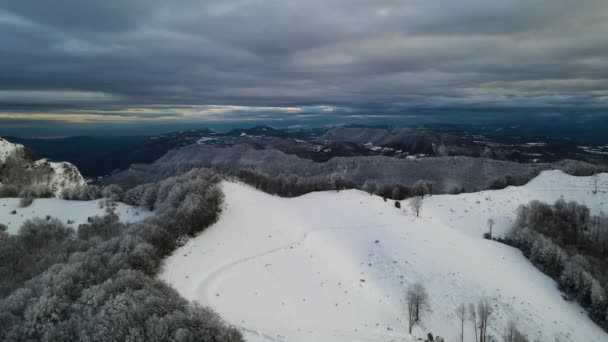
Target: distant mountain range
101,156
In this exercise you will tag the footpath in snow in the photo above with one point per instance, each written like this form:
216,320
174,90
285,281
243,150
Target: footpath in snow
332,266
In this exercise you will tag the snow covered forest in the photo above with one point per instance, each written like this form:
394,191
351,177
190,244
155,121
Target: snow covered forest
98,283
570,245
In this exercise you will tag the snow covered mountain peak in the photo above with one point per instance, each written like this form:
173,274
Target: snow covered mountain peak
8,149
19,173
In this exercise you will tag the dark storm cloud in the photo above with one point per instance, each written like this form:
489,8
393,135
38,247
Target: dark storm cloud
144,58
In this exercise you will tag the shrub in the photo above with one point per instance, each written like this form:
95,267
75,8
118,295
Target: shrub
26,202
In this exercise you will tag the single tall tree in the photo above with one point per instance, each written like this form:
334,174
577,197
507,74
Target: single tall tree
416,205
490,225
461,314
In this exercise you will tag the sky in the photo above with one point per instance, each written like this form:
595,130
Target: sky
151,62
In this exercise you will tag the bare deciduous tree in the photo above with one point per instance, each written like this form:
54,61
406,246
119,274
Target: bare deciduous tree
594,182
421,188
370,187
512,334
417,301
473,318
461,314
490,225
416,204
484,312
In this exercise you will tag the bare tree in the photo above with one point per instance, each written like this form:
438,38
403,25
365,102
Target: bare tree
417,301
509,332
490,225
370,187
421,188
594,181
484,312
461,314
512,334
416,204
473,318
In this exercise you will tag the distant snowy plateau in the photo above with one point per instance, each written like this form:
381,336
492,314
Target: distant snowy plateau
334,266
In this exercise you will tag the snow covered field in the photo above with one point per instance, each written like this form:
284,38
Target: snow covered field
75,211
333,266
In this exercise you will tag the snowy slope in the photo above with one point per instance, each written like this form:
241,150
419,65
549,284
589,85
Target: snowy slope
469,213
65,175
333,266
76,211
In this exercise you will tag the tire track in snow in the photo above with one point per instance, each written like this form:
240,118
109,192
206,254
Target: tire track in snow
212,278
211,282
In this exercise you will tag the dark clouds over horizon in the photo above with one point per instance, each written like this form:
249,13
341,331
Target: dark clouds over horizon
155,61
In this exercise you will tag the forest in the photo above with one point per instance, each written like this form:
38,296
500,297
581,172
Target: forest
99,284
570,245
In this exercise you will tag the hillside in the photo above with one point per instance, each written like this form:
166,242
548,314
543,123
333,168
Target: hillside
8,149
446,172
412,140
21,176
333,266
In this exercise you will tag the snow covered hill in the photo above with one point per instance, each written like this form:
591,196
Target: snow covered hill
333,266
8,149
72,213
57,176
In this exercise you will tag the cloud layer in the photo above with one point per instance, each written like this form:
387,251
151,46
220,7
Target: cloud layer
166,60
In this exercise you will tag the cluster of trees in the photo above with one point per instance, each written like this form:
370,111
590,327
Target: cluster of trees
570,245
19,178
398,192
480,315
82,193
510,180
99,284
291,186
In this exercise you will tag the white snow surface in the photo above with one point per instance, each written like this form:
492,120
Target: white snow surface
331,266
75,211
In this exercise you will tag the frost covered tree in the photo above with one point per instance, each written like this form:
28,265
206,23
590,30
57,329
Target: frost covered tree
512,334
461,315
113,193
101,285
417,301
595,179
474,320
421,188
484,313
416,205
370,187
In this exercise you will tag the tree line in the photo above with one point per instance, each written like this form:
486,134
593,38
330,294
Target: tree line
570,245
